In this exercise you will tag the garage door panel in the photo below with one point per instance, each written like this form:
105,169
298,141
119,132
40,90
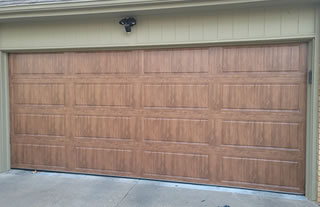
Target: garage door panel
278,58
176,61
176,130
111,62
176,95
261,134
105,159
260,97
38,64
176,164
104,127
261,172
39,94
111,95
38,155
39,124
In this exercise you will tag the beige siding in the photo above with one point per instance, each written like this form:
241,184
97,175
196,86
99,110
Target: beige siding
240,25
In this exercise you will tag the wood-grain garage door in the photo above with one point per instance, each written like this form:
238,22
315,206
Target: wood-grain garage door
230,116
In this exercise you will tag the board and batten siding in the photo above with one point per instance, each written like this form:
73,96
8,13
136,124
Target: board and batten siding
167,29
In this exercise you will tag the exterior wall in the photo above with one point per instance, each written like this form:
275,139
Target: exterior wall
319,148
201,27
216,27
4,115
316,69
318,196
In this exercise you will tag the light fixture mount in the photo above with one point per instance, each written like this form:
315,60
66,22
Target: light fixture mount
128,23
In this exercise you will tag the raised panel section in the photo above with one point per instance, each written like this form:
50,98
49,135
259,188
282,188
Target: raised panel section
263,59
112,95
176,164
115,62
118,160
49,63
260,97
176,95
39,125
103,127
38,155
285,58
176,130
176,61
263,172
39,94
260,134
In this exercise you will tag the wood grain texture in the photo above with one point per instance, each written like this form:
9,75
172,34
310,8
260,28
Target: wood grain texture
176,95
176,165
103,127
114,159
260,172
176,61
49,125
263,134
105,63
39,94
116,95
260,97
263,59
176,130
232,116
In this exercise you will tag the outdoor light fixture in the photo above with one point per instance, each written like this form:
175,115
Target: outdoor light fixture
128,22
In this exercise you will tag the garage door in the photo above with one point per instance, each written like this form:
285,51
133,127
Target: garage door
230,116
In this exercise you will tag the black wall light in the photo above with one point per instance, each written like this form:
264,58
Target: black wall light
128,22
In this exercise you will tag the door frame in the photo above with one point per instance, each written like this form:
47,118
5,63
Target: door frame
312,136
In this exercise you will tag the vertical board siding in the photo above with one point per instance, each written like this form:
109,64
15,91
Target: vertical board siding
257,23
318,196
4,115
217,26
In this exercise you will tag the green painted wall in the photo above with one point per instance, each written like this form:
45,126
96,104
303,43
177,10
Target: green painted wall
192,28
165,29
4,115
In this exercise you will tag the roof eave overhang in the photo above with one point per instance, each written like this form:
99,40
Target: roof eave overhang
119,6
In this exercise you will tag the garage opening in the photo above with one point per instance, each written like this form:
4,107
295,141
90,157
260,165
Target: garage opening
229,116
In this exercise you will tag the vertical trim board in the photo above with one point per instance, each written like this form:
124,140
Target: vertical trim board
312,116
4,115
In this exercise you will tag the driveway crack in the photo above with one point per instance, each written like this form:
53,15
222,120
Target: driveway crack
118,204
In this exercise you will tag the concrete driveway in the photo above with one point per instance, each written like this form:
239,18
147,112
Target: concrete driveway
23,188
